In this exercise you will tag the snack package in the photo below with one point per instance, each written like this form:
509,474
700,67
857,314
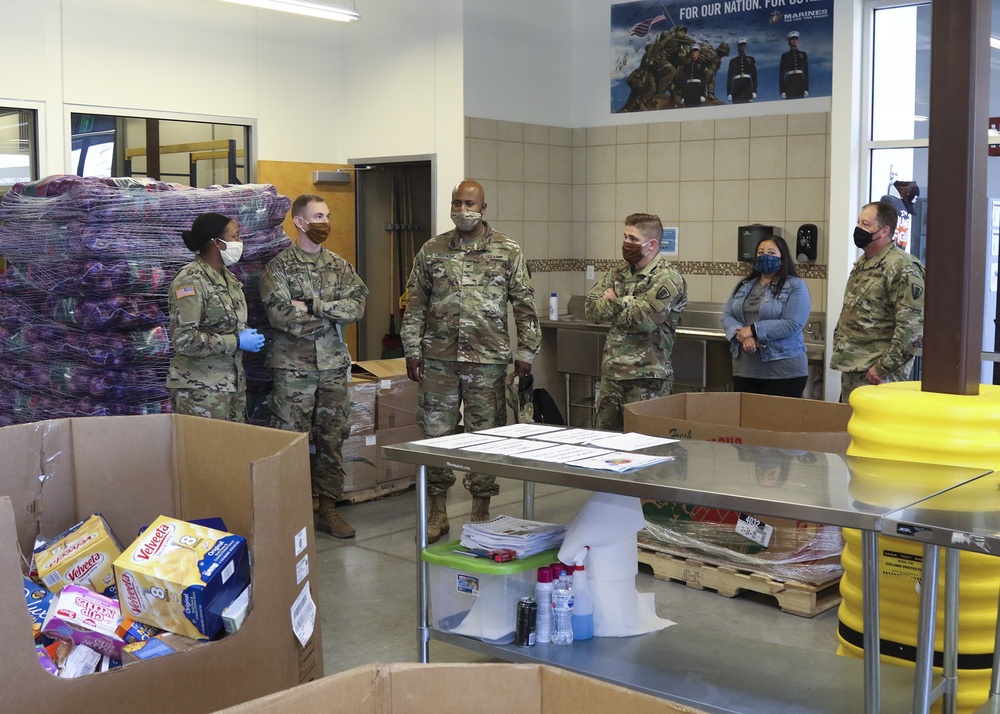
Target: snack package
132,631
86,618
81,661
163,644
234,615
46,661
39,601
179,577
83,555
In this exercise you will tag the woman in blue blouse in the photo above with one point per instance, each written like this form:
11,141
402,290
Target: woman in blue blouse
764,319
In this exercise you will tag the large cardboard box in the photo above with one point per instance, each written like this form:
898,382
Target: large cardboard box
131,469
808,551
445,688
394,396
367,473
737,418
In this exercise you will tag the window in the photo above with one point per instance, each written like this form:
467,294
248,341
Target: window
189,152
18,147
899,101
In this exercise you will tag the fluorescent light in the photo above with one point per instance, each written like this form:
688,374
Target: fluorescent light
310,8
995,42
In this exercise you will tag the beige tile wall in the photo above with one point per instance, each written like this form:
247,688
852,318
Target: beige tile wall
563,193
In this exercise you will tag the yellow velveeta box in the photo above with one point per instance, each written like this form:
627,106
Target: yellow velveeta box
83,555
179,577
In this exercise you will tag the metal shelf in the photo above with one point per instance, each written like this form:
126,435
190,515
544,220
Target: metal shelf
718,675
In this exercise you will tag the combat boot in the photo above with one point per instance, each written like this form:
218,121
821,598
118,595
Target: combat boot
437,517
332,522
480,509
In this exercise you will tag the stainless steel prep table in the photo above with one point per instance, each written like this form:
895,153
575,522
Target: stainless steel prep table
966,518
679,663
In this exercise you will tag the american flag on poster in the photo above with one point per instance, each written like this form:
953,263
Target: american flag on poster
641,29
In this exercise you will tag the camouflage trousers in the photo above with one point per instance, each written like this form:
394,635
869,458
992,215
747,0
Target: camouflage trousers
228,406
450,389
315,402
849,381
616,393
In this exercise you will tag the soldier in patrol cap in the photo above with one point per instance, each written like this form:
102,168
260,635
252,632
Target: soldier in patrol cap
882,321
741,80
793,71
456,339
642,299
208,325
309,293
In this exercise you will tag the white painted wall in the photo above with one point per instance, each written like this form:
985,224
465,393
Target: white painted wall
519,60
402,89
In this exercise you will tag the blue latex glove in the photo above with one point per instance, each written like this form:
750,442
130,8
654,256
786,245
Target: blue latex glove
250,340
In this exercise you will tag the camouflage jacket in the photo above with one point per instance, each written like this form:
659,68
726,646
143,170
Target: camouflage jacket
882,320
303,339
207,311
643,319
458,295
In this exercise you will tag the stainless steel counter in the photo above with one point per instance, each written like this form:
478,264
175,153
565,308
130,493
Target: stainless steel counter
681,665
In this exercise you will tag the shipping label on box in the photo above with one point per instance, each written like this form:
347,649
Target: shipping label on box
179,577
83,555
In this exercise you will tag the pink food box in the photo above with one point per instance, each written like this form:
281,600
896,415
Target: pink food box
83,617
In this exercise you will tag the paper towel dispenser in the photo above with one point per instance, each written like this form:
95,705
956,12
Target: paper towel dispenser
749,237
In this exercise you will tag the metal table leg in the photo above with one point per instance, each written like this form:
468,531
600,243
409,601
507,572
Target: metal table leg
423,622
925,631
949,702
528,503
870,614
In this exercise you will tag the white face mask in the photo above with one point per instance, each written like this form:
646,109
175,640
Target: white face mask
232,253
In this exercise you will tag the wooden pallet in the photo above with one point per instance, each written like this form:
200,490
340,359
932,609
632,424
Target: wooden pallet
379,490
729,580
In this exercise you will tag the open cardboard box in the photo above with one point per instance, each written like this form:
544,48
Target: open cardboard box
738,418
132,469
746,419
445,688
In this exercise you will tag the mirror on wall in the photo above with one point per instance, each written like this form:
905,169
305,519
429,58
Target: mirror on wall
194,153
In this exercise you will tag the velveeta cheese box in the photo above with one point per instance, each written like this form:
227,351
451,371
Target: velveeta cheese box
179,577
83,555
83,617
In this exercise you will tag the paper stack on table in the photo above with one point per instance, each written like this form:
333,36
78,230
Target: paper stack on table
522,536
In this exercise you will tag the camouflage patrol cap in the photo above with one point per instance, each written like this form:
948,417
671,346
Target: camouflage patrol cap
519,398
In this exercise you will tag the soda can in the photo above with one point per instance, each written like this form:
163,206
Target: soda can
524,628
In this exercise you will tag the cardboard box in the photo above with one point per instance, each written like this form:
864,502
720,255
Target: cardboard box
737,418
395,396
440,688
132,469
746,419
366,468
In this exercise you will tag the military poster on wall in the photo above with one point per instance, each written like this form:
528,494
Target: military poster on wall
685,54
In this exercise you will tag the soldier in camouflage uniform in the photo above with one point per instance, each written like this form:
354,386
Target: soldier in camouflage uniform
208,315
882,321
643,300
309,292
456,339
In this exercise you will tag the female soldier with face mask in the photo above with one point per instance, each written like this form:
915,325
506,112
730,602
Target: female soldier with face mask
208,315
642,299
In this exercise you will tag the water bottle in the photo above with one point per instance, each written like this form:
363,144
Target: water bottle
583,606
553,307
562,612
543,596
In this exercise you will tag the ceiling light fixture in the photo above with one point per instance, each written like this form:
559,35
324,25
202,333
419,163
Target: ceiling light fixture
310,8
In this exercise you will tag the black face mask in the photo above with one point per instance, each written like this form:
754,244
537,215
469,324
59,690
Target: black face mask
863,238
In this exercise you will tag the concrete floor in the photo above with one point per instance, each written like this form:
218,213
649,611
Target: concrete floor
368,589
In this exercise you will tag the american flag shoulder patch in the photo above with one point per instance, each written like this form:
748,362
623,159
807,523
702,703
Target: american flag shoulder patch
186,291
